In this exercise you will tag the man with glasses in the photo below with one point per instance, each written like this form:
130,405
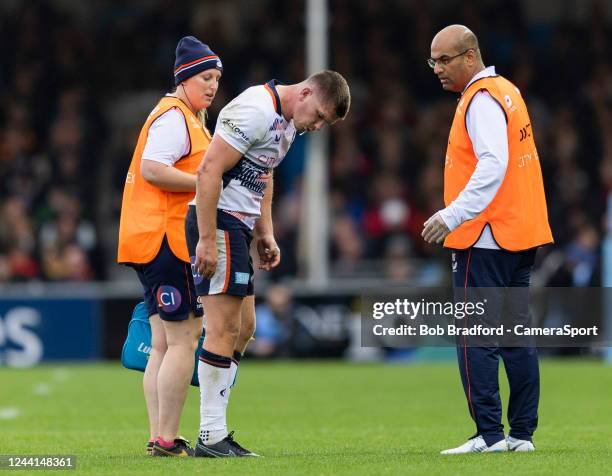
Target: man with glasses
494,220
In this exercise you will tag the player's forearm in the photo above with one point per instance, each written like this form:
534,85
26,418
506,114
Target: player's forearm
263,225
167,178
208,188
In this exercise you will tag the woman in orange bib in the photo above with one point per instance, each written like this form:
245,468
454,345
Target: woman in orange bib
159,184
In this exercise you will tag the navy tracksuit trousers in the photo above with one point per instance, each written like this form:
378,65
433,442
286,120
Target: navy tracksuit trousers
479,366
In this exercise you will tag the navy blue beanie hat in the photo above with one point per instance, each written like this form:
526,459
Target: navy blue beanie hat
193,57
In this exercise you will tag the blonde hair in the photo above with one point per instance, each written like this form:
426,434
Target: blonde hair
202,115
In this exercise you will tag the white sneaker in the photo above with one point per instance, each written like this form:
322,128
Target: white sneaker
477,445
514,444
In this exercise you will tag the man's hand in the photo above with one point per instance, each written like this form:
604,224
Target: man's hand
268,251
206,258
435,230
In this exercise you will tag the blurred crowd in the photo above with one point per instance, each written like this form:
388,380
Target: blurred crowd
77,80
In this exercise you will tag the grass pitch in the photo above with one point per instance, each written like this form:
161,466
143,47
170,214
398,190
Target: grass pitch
315,418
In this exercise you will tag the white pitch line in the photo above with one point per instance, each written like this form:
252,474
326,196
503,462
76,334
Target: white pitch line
42,389
61,374
9,413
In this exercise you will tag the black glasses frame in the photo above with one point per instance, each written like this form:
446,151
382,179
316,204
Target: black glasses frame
445,60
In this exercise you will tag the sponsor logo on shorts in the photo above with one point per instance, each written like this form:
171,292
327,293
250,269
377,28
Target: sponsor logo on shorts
241,278
197,278
168,298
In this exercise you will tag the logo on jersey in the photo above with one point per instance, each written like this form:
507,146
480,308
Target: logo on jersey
509,104
277,128
251,176
234,129
197,278
168,298
241,278
270,162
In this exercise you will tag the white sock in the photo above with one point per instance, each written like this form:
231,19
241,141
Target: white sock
214,386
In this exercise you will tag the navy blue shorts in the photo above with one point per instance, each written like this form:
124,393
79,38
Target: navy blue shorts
234,273
168,286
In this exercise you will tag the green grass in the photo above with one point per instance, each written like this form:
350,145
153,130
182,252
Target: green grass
315,418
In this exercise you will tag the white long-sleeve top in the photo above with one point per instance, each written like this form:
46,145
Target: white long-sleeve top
486,125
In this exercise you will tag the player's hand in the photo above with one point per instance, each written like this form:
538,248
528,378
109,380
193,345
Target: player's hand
434,229
269,252
206,258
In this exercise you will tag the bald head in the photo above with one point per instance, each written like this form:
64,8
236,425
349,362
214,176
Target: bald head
455,38
456,55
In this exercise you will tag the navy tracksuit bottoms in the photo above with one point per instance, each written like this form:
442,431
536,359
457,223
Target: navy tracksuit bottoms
479,366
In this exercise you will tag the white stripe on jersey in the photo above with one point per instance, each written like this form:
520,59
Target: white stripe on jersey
221,276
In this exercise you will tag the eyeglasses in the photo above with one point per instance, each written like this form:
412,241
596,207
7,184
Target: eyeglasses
445,60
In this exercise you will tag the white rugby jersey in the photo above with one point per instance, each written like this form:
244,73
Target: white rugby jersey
254,125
